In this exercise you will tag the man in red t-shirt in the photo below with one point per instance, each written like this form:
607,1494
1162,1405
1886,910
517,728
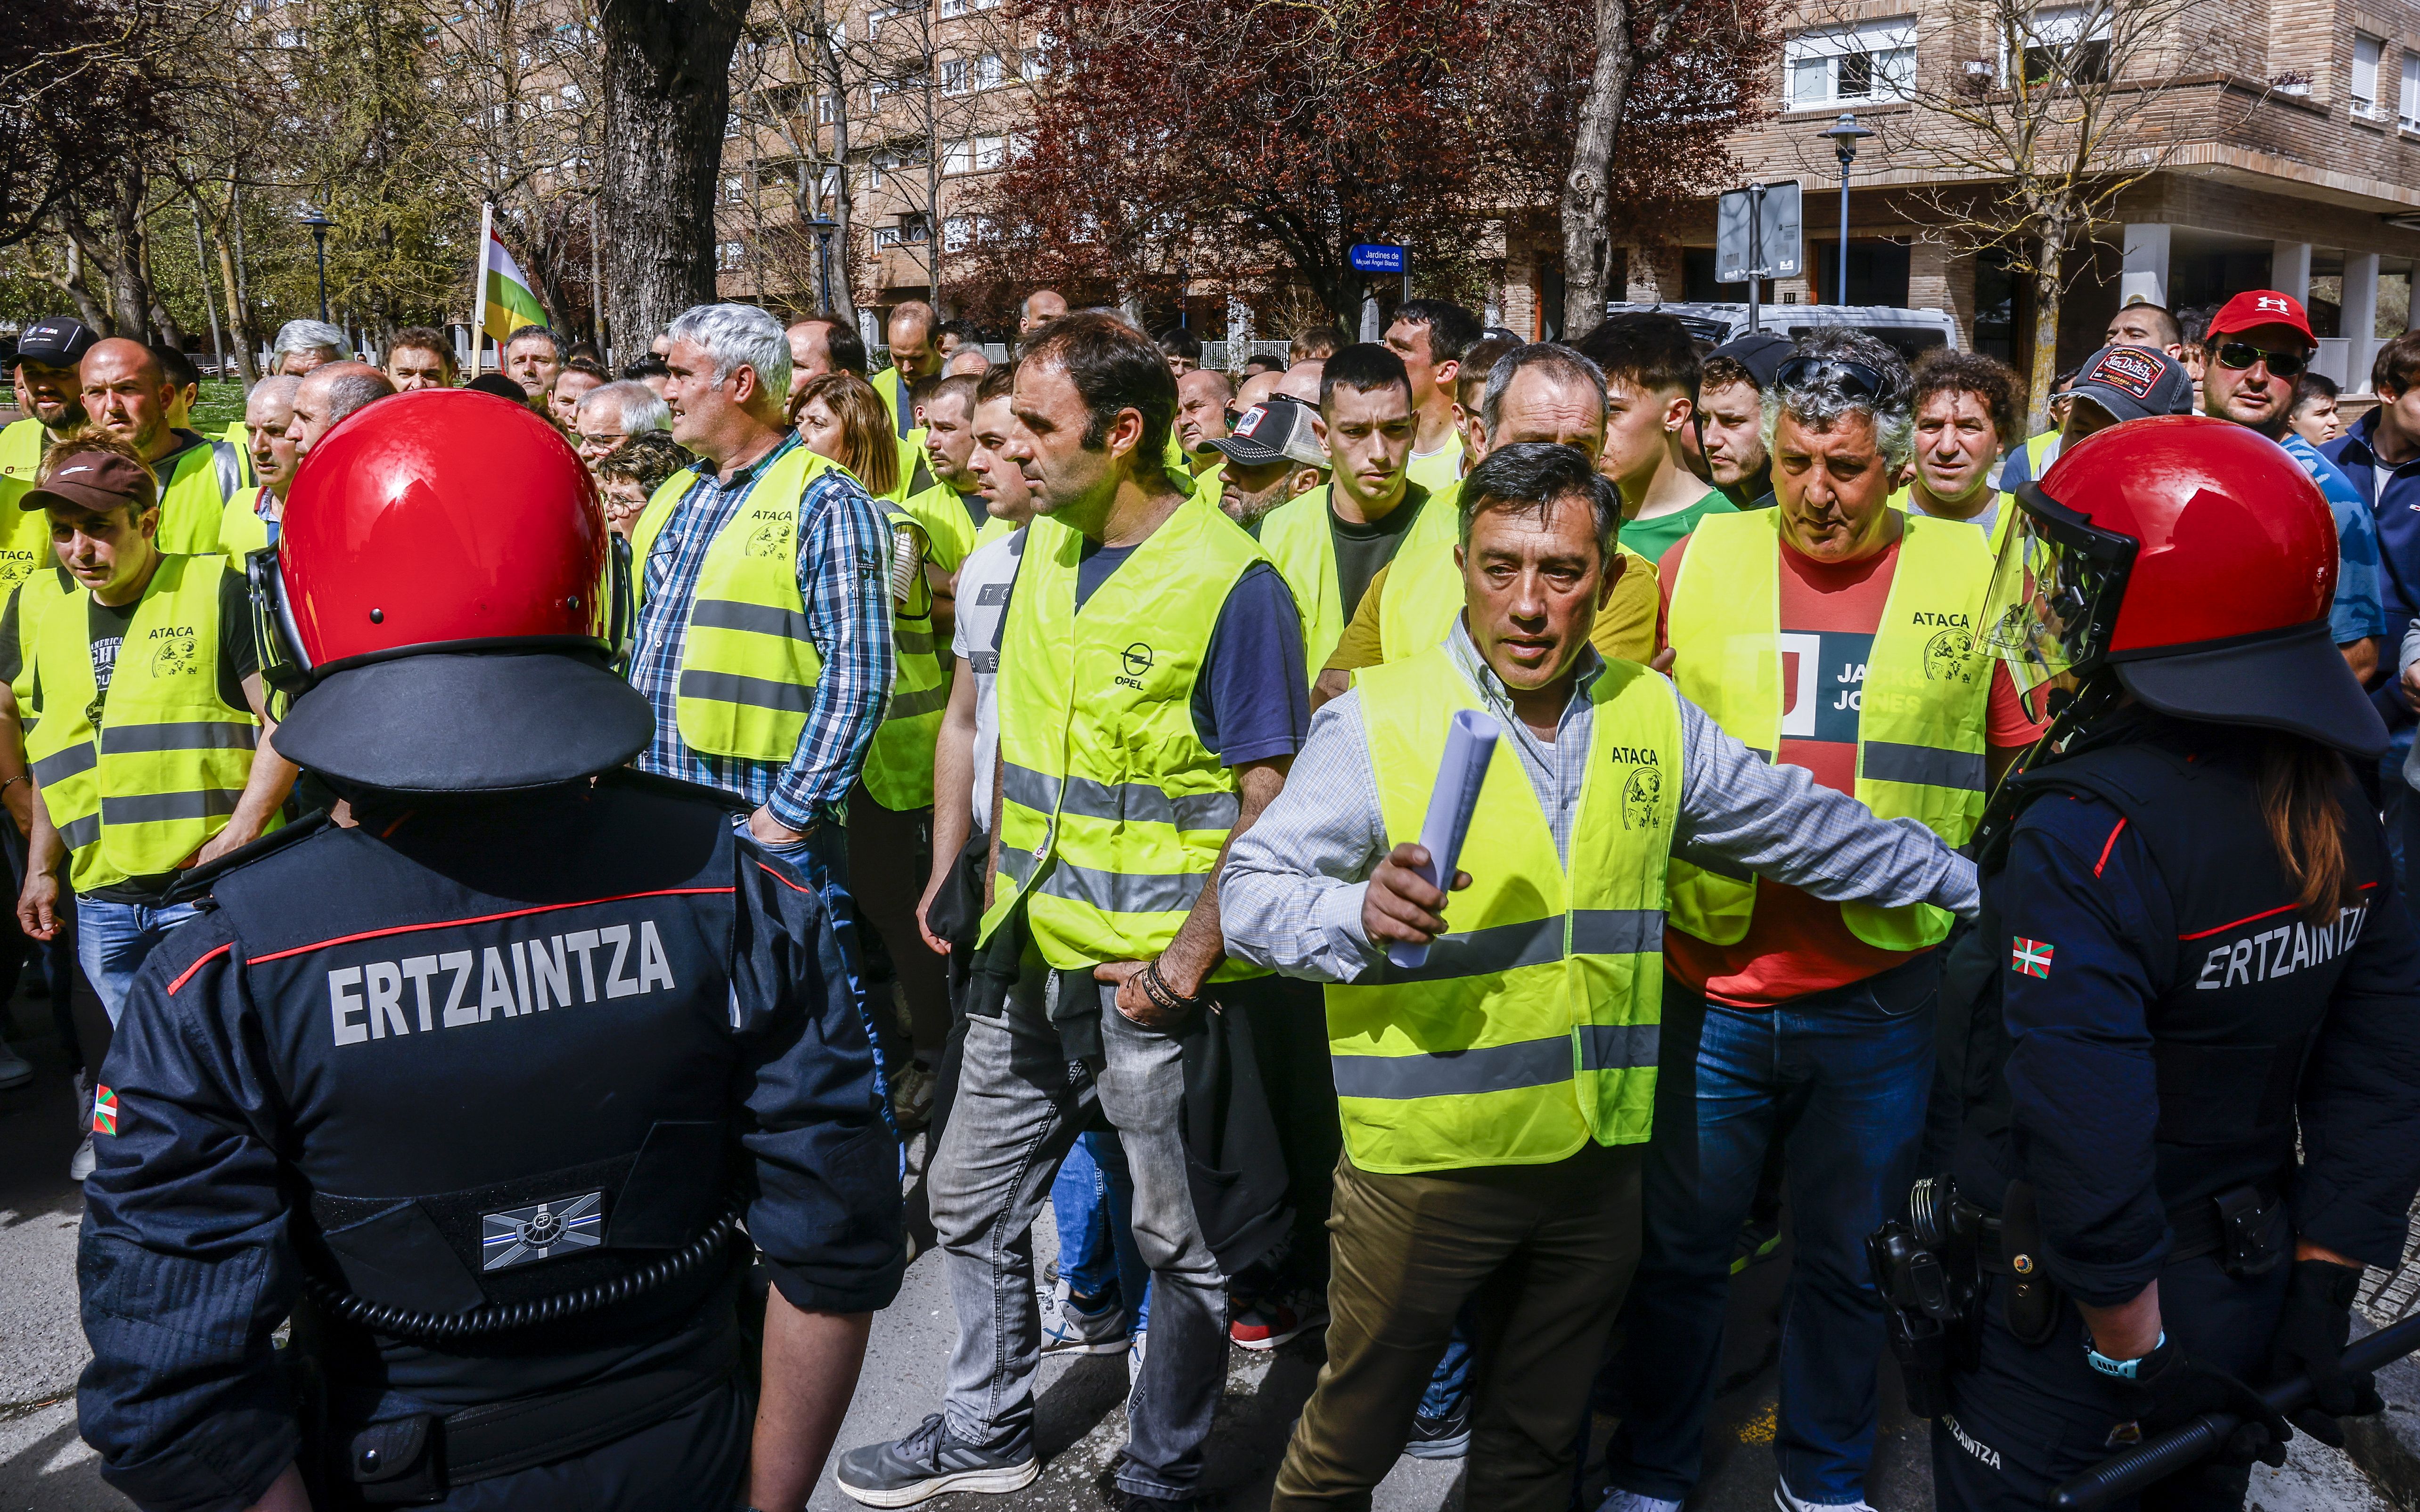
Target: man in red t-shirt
1840,635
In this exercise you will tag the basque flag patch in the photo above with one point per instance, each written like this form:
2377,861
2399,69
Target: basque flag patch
2029,957
104,1111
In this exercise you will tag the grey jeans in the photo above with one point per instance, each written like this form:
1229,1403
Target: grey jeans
1019,1106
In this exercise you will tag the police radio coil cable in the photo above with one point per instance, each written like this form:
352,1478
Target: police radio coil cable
448,1328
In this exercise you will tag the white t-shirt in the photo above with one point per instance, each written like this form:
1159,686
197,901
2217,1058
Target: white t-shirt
984,580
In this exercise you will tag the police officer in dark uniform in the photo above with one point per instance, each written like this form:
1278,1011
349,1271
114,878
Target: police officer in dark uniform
2189,950
481,1086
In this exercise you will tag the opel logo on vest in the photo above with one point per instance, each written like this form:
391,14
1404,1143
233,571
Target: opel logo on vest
1138,660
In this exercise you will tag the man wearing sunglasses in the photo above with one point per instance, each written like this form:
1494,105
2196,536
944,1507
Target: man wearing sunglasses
1839,637
2259,343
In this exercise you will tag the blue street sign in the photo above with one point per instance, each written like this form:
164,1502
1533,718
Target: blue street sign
1378,257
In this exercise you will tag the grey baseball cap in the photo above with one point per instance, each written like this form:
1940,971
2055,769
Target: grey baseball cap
1278,429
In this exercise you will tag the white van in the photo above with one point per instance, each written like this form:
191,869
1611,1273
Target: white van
1911,331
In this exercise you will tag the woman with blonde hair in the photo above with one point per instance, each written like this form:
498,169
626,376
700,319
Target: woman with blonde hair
841,417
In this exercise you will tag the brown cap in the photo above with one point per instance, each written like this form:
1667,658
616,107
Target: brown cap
100,481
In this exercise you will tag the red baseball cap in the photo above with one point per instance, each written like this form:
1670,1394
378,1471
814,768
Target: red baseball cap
2261,307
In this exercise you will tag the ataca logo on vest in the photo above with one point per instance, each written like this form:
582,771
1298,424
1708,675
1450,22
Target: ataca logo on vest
172,647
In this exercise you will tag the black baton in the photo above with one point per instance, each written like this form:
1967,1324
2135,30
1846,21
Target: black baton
2182,1448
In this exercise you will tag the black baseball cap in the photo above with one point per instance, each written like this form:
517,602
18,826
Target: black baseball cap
1276,429
55,341
1761,352
2133,383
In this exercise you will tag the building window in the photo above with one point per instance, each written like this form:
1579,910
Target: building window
2410,108
885,237
1035,66
728,256
1838,65
732,190
991,154
959,157
911,230
965,8
987,71
2068,45
956,233
2366,53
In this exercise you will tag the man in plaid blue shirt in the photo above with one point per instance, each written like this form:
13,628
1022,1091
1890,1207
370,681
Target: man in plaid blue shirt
730,379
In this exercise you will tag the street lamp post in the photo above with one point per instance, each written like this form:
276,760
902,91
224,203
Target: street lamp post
319,225
823,228
1845,134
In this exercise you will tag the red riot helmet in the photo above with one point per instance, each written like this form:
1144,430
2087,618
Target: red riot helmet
2194,560
444,605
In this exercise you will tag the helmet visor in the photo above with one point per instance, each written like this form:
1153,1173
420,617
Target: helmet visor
2054,592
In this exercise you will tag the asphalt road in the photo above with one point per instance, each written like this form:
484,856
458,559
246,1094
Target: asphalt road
44,1466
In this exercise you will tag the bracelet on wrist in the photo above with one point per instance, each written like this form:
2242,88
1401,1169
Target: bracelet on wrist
2120,1370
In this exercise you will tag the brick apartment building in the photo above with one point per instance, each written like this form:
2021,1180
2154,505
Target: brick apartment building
2284,137
2286,154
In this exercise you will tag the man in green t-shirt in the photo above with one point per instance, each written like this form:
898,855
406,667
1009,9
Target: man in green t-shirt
1650,392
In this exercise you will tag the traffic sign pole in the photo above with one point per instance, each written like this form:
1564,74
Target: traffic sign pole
1756,239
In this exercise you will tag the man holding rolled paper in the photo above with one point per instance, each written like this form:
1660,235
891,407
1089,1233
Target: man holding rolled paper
1496,1097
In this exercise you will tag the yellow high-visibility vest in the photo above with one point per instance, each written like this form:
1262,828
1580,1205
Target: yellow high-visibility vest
1112,811
1532,1027
25,537
747,671
899,765
1923,710
170,758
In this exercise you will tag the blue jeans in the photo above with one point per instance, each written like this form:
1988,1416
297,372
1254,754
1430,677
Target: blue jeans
1092,1202
112,940
1842,1077
1449,1383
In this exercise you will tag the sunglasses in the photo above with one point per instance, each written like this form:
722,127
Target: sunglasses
1859,380
2236,355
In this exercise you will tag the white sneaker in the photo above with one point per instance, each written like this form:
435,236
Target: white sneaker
1784,1502
15,1070
84,1159
1618,1500
1135,1352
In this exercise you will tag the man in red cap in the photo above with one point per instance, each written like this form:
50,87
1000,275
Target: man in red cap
2259,343
477,1088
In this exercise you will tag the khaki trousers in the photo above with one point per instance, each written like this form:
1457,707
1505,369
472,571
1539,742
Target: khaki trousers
1547,1250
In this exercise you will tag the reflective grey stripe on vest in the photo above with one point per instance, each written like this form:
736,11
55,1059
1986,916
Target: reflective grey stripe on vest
61,765
1133,802
79,833
911,643
1496,1068
230,466
1929,766
922,700
1124,892
1533,943
757,692
196,734
164,808
763,619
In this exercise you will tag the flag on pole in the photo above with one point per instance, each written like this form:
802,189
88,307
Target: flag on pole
509,303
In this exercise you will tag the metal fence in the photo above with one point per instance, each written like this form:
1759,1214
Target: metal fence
2388,1296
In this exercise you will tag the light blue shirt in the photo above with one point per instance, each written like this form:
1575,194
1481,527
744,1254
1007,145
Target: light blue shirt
2356,613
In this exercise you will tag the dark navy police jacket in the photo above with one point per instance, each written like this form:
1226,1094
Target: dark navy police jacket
2158,1023
370,1044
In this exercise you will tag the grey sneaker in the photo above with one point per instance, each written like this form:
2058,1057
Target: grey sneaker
15,1070
1067,1329
928,1462
84,1159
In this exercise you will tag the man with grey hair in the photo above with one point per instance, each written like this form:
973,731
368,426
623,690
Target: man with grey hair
764,637
532,358
612,413
303,346
328,396
1841,636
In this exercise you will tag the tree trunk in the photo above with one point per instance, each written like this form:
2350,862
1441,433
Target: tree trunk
666,81
88,309
2043,371
1587,248
843,297
130,300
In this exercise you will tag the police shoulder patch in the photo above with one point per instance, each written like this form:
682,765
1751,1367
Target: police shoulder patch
2029,958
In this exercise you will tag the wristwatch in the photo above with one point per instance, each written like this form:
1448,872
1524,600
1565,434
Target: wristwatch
2118,1369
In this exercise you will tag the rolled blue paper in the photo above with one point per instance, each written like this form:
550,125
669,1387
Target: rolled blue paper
1469,746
